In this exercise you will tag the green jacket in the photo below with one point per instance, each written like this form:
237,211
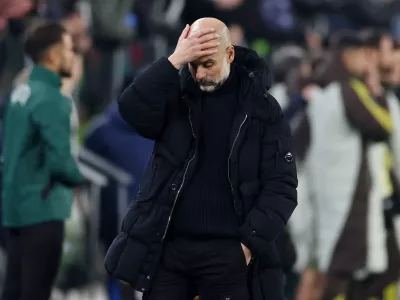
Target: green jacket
37,152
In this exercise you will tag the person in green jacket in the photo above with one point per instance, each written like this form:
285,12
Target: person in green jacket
39,171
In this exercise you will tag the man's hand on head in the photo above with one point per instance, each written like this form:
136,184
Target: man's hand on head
201,43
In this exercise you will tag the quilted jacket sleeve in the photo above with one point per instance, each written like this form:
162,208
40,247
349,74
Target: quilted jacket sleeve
143,105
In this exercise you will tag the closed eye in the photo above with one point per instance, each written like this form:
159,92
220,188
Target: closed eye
207,64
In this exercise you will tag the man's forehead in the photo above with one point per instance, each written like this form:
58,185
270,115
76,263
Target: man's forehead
206,59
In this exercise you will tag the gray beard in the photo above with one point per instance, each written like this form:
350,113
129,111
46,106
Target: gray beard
211,88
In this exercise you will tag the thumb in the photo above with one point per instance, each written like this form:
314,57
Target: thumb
184,33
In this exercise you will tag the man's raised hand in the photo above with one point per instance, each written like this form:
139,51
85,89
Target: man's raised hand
201,43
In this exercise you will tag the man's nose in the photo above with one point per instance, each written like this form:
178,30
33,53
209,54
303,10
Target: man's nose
200,74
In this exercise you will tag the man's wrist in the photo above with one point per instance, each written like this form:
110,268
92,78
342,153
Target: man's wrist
174,62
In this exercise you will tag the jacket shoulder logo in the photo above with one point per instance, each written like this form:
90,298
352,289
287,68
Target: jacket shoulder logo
21,94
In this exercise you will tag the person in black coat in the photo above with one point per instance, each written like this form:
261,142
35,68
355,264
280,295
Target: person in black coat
221,183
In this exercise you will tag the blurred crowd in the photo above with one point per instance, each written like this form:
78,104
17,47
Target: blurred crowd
336,70
343,109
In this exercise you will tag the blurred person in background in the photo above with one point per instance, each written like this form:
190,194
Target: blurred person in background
110,137
350,126
11,62
39,169
237,34
382,56
379,47
394,105
11,48
77,27
286,65
113,27
388,64
229,163
292,74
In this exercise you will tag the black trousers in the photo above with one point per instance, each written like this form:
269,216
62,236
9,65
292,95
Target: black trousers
212,269
34,254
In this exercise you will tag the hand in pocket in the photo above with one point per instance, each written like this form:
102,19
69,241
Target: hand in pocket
247,253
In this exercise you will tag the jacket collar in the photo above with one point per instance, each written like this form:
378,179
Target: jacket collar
255,81
252,67
43,74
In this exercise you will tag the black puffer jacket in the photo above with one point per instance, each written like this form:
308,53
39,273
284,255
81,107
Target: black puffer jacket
162,104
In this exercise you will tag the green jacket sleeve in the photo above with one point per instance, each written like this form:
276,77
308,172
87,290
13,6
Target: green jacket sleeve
52,117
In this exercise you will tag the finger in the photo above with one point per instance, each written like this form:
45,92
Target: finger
207,52
208,37
202,32
184,33
209,45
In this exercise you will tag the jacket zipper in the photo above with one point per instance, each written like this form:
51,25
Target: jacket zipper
229,158
183,180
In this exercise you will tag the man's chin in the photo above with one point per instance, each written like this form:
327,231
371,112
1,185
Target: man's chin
208,88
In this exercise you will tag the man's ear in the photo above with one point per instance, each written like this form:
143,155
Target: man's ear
231,54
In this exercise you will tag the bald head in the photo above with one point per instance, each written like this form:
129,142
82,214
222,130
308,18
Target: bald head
218,25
